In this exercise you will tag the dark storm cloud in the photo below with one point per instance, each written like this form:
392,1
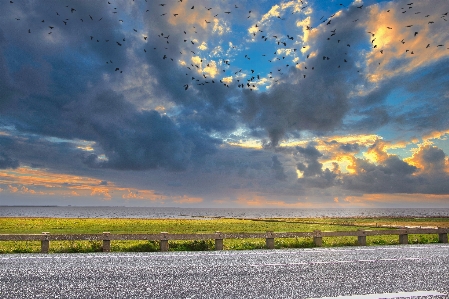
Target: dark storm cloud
7,89
147,140
49,90
419,109
52,68
207,101
38,152
209,118
311,167
370,119
428,110
320,101
432,159
296,107
327,179
396,176
313,174
433,163
348,147
129,138
8,162
378,179
391,175
434,156
278,169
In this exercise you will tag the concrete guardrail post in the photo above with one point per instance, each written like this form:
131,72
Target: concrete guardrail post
106,242
403,239
361,239
317,238
442,236
218,241
269,240
45,243
164,241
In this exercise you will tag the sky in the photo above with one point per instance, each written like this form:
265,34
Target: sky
214,103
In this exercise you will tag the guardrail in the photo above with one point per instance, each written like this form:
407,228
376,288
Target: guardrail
164,237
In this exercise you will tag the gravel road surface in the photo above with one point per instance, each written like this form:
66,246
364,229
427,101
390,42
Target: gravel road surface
292,273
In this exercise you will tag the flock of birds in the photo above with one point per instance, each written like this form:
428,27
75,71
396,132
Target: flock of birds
245,79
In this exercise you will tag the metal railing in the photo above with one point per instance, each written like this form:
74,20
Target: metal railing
269,237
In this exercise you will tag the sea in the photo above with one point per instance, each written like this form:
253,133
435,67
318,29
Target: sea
210,213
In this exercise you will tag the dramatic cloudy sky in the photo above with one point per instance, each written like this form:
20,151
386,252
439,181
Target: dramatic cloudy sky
213,103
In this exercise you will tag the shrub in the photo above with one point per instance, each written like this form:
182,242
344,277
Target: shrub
196,245
134,246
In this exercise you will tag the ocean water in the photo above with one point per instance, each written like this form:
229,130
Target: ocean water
199,213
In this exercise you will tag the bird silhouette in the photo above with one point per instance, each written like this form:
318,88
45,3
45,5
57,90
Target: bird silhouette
287,55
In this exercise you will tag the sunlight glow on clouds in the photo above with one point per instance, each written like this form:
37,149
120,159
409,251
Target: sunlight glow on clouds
53,184
406,43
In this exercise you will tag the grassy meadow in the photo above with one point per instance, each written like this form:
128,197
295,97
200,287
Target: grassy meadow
90,225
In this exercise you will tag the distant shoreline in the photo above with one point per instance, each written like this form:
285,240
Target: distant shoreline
187,208
97,212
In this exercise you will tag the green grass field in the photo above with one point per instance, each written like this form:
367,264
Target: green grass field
89,225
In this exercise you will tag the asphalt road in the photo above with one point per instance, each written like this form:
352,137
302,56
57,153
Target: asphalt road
293,273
